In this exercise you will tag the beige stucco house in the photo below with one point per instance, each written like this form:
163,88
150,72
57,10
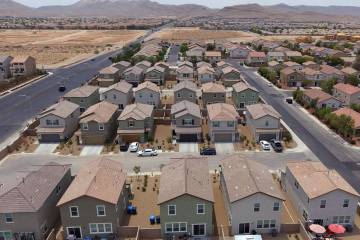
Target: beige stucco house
84,96
347,93
23,66
119,94
147,93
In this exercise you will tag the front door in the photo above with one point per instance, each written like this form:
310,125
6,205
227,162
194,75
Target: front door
244,228
75,231
198,230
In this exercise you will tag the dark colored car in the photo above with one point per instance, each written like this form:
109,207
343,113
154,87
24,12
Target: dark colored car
289,100
276,145
208,151
62,88
124,147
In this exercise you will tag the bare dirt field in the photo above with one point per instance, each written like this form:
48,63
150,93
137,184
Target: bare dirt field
197,34
62,47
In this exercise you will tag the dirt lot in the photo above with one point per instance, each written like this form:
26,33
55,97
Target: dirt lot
28,145
51,47
70,147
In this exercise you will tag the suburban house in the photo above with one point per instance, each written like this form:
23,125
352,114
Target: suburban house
84,96
315,76
321,98
230,76
274,65
155,74
206,74
122,65
354,115
347,93
28,209
196,53
310,64
185,63
186,121
213,56
263,121
119,94
144,65
276,56
318,194
253,200
108,76
349,71
134,75
23,66
244,95
293,65
147,93
58,122
222,122
213,93
256,59
184,73
98,124
291,77
5,62
136,123
331,72
185,90
203,64
96,201
222,64
238,52
186,198
292,54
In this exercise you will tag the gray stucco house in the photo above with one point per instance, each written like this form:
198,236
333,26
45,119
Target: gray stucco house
244,94
120,94
155,74
96,201
108,76
84,96
28,210
213,93
5,62
185,90
186,198
133,75
147,93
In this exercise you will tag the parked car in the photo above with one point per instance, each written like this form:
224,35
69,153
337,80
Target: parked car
276,145
62,88
134,146
148,152
265,145
289,100
208,151
124,147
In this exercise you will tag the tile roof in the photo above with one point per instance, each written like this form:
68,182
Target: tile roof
351,113
349,71
241,86
33,191
229,69
137,111
244,178
187,63
206,70
273,63
212,88
100,112
61,109
317,94
260,110
276,54
185,107
201,64
109,70
189,176
287,71
102,179
222,112
347,88
293,54
83,91
3,58
147,85
20,59
121,86
185,69
317,180
257,54
144,62
156,68
330,70
213,54
135,70
185,84
291,64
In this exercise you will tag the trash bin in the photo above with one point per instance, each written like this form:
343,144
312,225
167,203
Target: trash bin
157,219
133,210
129,209
152,219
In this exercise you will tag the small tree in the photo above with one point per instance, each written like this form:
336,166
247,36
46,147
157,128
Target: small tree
136,170
353,80
356,64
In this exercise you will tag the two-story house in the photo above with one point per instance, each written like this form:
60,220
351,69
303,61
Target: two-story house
120,94
58,122
5,62
186,198
96,201
213,93
263,121
347,93
222,122
195,54
147,93
98,124
133,75
108,76
243,95
185,90
23,66
318,194
321,99
155,74
136,123
122,65
28,209
206,74
203,64
256,59
253,200
84,96
276,56
184,73
238,52
213,56
230,76
144,65
186,121
291,77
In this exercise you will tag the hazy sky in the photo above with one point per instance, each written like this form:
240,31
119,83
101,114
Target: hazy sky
211,3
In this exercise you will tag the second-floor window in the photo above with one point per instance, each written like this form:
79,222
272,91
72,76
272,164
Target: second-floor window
216,124
9,218
256,207
171,210
200,208
101,127
276,206
74,211
188,122
100,211
346,203
230,124
322,203
179,95
131,123
85,126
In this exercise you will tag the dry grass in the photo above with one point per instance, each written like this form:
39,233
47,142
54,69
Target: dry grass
28,145
71,147
51,47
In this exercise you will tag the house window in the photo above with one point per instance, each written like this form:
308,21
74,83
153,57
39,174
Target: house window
131,123
114,96
267,123
256,207
9,218
276,206
230,124
266,224
100,228
322,203
74,211
188,122
272,223
6,235
101,127
296,184
190,95
85,126
346,203
216,124
48,122
100,211
56,122
140,95
171,210
179,95
176,227
215,95
200,208
259,224
151,95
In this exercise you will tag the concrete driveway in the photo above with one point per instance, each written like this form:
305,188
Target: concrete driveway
91,150
46,148
224,148
188,147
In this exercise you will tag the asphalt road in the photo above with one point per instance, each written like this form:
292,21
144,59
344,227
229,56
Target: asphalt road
328,147
173,55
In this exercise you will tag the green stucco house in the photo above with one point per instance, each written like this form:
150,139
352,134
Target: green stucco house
244,94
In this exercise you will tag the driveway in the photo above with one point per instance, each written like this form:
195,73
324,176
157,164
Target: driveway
91,150
188,147
46,148
224,148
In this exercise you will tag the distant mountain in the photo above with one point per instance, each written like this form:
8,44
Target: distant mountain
12,8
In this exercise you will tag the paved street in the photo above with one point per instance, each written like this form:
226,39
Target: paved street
173,55
332,152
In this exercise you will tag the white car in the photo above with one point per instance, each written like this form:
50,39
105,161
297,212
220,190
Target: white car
134,147
147,152
265,145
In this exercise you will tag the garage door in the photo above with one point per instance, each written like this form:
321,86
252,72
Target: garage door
223,137
50,138
267,136
130,138
188,138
